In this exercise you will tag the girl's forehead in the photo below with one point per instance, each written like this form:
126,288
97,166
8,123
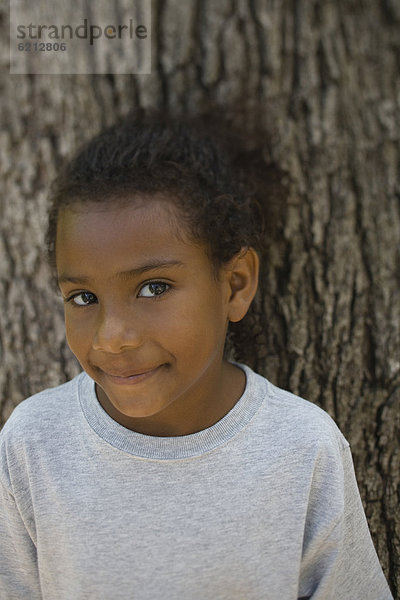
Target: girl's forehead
124,233
148,212
158,204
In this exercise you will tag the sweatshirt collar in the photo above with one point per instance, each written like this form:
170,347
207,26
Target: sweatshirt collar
172,448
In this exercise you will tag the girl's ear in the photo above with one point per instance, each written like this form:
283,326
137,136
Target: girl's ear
243,280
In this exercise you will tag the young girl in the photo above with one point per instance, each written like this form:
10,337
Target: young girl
164,470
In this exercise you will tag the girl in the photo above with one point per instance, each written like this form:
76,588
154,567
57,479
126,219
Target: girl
165,470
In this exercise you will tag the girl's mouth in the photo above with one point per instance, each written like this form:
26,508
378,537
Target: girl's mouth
131,379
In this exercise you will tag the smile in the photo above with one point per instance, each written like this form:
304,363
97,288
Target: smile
132,379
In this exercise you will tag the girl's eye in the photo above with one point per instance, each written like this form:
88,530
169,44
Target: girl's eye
83,299
155,288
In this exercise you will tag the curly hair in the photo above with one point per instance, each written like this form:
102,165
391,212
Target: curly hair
192,162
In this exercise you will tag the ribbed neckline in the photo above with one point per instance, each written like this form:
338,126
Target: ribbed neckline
172,448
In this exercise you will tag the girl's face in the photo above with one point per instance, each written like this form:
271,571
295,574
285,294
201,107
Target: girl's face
145,315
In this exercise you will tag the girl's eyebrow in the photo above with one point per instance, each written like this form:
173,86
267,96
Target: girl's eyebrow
157,264
129,274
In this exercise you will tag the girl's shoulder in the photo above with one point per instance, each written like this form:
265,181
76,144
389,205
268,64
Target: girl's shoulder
37,426
42,410
292,421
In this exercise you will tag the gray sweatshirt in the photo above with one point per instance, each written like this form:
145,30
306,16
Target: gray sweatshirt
263,505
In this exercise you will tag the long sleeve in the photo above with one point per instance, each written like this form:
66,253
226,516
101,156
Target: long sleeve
18,563
339,559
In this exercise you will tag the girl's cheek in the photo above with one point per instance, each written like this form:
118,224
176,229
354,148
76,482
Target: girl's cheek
76,327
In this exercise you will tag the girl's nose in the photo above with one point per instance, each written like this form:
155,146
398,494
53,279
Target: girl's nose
116,331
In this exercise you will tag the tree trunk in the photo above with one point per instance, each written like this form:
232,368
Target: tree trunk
326,75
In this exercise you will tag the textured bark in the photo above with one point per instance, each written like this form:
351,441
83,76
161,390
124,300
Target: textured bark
326,74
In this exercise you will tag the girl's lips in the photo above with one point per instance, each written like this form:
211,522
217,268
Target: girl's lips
132,379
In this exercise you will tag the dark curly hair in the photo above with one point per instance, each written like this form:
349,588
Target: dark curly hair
192,162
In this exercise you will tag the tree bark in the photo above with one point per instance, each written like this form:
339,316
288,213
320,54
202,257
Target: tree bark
326,75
